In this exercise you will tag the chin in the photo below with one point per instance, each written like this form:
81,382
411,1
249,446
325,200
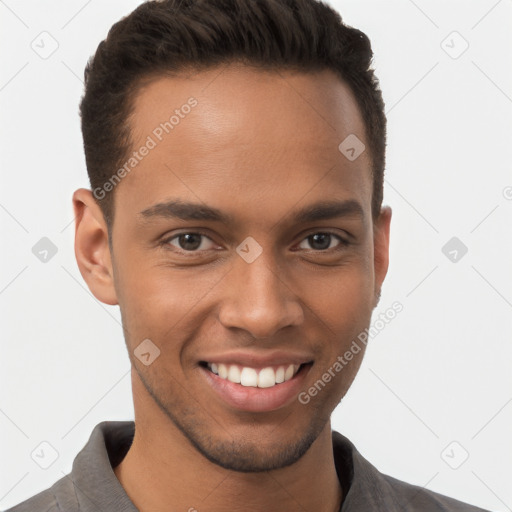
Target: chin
250,456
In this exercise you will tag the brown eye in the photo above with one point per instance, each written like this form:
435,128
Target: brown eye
189,242
322,241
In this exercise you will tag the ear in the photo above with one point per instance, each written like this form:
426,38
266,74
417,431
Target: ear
92,249
381,249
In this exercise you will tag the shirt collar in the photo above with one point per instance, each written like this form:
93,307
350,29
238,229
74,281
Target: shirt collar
96,485
369,488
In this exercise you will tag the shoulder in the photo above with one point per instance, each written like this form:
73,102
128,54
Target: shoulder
419,499
369,489
60,497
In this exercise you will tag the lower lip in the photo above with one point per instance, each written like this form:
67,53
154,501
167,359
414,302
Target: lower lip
251,399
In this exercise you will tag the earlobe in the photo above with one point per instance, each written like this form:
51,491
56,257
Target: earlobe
92,249
381,249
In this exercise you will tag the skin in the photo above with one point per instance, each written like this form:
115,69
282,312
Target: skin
259,146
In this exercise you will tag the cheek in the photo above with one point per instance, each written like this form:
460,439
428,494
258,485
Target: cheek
341,296
161,303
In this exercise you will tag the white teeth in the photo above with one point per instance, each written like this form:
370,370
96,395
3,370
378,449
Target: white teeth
234,374
249,377
223,371
267,378
288,374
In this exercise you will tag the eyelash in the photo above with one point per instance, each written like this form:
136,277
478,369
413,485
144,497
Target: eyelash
342,245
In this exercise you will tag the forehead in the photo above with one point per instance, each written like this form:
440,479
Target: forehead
263,103
246,134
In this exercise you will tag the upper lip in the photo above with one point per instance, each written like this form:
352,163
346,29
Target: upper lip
252,359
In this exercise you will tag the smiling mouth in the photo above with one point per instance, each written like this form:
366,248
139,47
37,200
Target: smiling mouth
247,376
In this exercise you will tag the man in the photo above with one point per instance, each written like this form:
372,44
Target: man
235,151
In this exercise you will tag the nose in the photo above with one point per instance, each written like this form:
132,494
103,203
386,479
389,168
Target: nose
259,299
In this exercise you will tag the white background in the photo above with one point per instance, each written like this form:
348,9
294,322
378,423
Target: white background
438,373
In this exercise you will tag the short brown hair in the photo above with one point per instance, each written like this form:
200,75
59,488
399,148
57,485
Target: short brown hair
164,37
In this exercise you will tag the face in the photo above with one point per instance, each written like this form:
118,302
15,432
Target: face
243,247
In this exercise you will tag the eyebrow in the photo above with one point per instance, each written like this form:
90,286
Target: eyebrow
188,211
177,209
326,210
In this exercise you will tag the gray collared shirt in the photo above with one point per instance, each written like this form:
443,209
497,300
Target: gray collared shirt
92,485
